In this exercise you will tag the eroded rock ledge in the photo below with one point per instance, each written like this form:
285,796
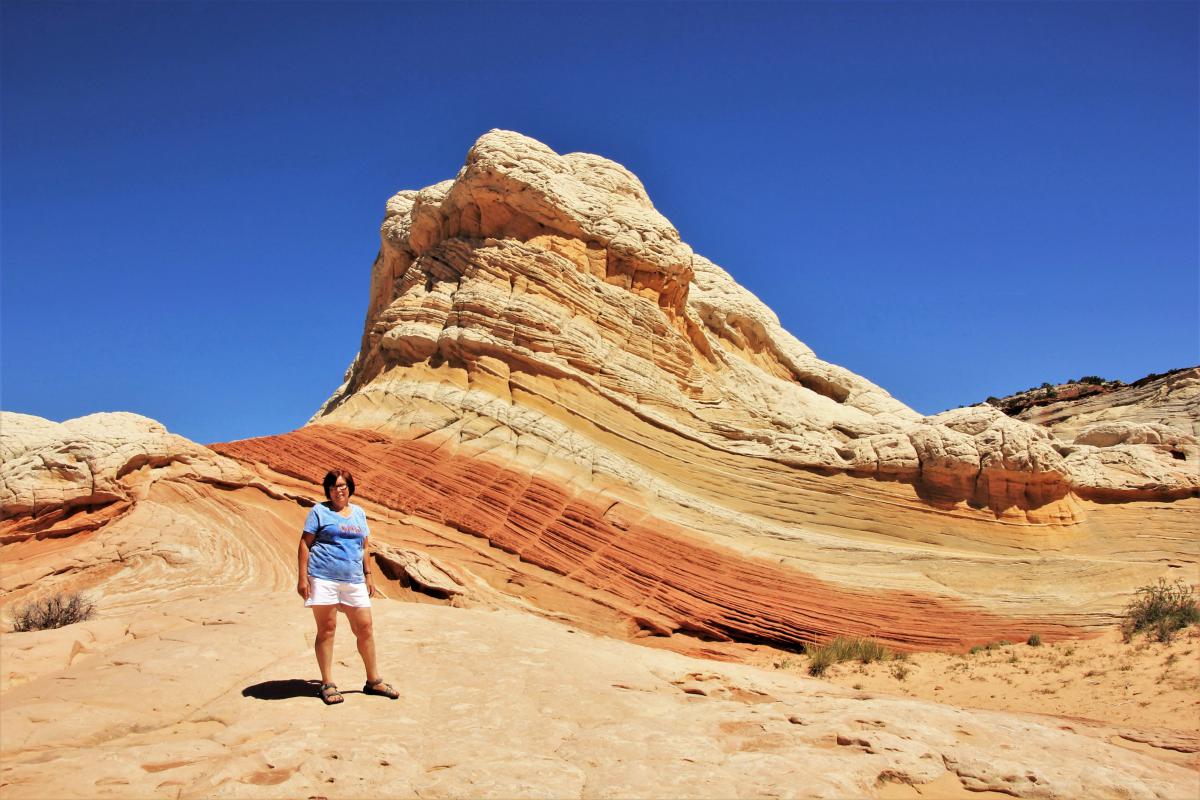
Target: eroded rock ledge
63,478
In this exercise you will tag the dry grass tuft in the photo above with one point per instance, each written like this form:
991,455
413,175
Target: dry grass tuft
821,657
52,611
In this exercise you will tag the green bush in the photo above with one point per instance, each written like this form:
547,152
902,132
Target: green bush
844,649
1034,641
52,611
1161,608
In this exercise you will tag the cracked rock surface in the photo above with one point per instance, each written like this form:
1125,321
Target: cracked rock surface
210,697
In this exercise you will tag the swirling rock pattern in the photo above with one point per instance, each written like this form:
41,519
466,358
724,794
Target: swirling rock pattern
663,577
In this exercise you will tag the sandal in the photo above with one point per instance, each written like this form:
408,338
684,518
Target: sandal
328,692
380,688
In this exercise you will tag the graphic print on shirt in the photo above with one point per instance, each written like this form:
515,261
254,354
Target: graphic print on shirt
337,550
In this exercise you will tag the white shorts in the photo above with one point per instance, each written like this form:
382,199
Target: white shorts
331,593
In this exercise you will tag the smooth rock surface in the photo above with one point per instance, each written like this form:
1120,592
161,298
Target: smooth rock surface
214,698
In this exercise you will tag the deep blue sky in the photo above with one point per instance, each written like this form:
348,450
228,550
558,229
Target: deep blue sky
953,200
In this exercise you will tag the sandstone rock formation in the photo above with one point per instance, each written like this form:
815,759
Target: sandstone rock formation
193,681
59,479
1159,410
546,342
562,416
554,276
1171,400
549,372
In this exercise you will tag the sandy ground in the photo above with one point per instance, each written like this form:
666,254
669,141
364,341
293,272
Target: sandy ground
212,696
1143,695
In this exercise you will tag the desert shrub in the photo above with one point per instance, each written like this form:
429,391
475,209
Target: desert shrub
1162,609
819,661
1034,641
821,657
1094,380
52,611
976,649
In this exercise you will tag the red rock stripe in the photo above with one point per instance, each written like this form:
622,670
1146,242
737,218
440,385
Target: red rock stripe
661,575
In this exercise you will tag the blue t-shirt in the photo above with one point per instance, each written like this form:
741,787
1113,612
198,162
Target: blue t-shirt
337,552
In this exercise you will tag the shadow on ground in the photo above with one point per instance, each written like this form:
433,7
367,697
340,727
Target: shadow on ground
282,690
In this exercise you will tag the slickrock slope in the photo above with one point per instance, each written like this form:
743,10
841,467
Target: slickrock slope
1162,410
662,577
205,697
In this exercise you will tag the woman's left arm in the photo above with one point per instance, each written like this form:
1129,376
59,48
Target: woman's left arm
368,574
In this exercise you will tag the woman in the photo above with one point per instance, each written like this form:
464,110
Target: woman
335,574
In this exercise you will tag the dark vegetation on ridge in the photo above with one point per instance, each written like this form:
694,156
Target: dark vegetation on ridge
1075,389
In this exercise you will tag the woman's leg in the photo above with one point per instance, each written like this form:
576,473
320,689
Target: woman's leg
326,617
364,632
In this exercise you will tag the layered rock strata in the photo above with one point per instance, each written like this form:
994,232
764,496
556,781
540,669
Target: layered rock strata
64,478
662,577
606,419
1159,410
538,315
558,268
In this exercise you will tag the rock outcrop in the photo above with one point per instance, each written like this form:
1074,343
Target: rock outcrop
1121,440
63,478
536,318
1170,399
1158,410
535,268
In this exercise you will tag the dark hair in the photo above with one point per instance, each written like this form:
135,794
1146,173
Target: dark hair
331,478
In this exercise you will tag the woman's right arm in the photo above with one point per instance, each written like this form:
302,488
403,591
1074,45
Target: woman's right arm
306,540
